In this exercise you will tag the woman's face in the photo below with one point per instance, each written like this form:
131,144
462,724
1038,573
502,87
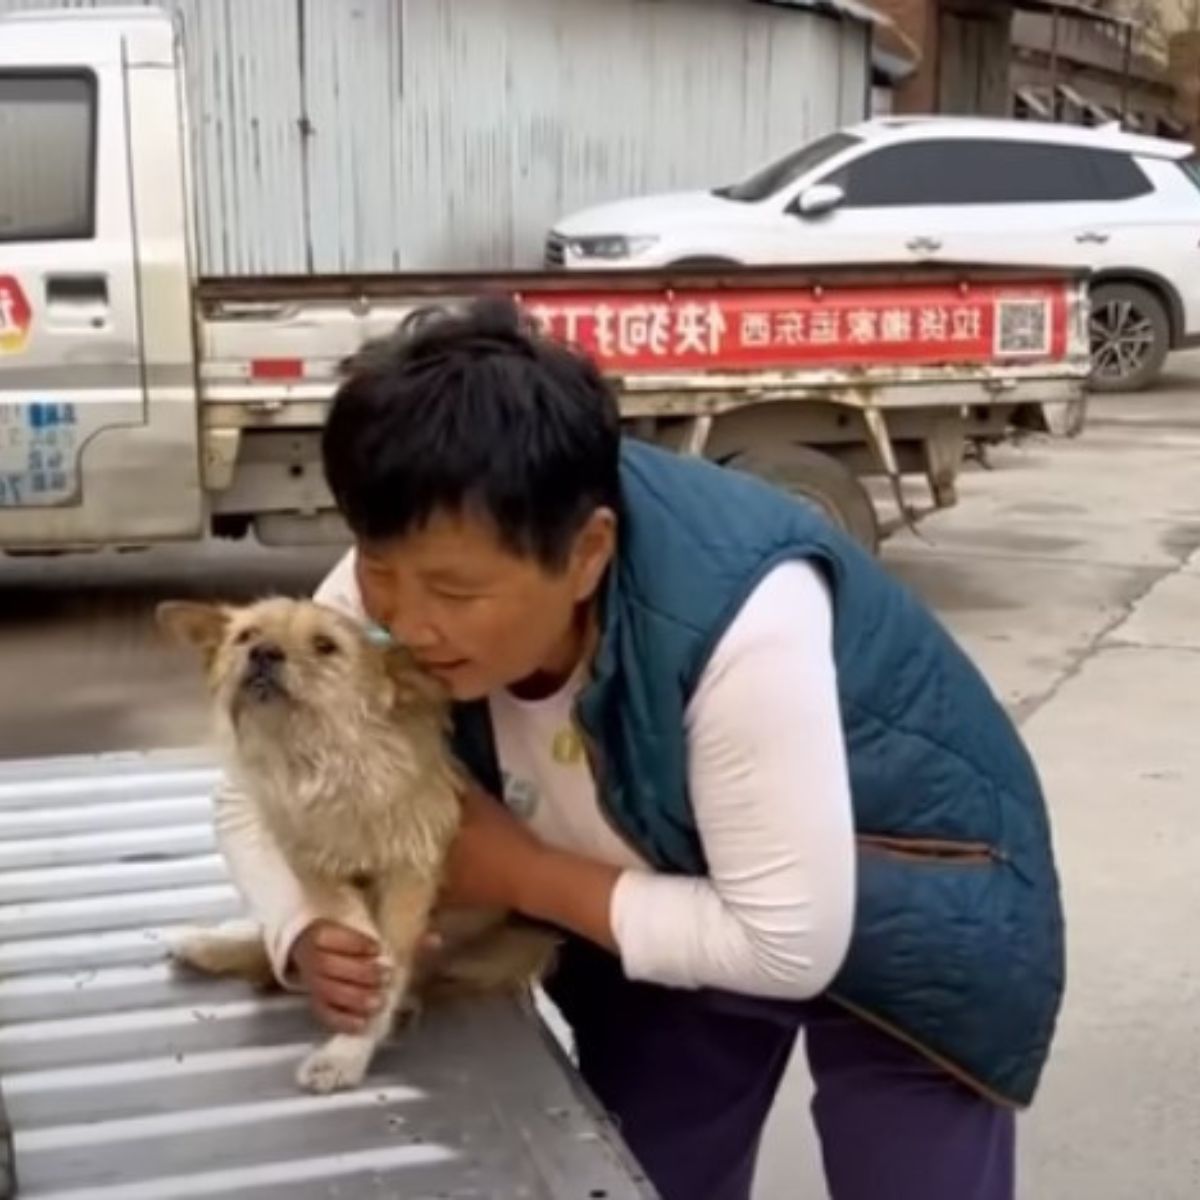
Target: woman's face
475,615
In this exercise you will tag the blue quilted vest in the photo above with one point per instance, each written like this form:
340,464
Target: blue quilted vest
958,936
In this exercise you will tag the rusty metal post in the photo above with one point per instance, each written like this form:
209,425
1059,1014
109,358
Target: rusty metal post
1126,67
1054,64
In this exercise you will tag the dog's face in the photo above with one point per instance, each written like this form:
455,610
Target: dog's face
283,657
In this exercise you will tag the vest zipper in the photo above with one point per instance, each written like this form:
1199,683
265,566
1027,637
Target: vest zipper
963,1076
933,849
596,766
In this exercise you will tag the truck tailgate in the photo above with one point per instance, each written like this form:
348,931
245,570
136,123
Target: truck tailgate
122,1079
678,340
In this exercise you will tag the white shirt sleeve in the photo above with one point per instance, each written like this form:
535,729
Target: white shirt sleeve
339,589
269,888
771,797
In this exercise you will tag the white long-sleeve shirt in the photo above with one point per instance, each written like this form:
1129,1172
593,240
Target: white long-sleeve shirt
769,789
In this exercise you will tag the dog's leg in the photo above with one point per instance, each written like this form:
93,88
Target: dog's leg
235,948
402,915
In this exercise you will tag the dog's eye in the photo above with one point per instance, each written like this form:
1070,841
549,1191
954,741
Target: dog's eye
245,636
324,645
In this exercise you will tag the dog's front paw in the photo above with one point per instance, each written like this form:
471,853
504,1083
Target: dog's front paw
337,1066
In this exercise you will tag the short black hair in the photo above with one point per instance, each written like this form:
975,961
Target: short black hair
473,412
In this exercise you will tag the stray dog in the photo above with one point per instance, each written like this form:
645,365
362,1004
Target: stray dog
341,745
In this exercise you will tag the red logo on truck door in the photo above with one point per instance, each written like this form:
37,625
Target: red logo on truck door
15,316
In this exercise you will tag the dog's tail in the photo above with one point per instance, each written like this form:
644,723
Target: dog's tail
235,949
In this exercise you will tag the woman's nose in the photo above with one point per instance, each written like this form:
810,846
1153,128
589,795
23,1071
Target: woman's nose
411,629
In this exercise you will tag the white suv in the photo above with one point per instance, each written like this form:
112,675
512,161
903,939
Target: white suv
924,189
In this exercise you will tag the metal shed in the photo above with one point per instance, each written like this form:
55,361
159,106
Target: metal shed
378,135
123,1080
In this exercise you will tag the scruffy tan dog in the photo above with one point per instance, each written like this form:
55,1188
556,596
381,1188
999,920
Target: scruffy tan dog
341,744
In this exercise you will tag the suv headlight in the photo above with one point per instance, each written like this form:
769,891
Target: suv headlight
610,247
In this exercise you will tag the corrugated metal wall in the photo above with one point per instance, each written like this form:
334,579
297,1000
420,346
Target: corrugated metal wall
354,135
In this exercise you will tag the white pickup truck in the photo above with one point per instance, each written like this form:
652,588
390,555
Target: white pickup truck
141,403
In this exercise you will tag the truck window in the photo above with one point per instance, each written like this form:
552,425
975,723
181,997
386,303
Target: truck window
47,146
1191,168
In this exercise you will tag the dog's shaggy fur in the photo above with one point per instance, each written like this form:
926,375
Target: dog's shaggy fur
341,745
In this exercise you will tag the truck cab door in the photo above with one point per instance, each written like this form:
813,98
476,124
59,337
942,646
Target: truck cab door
88,456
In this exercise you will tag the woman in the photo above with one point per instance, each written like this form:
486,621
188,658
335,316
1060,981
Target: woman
751,778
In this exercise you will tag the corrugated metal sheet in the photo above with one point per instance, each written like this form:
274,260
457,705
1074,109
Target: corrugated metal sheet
356,135
124,1080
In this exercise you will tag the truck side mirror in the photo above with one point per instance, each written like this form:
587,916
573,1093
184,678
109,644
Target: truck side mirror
820,199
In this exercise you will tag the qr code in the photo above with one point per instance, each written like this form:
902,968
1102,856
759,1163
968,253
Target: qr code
1023,327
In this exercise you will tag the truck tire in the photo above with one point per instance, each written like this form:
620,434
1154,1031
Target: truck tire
1130,337
820,479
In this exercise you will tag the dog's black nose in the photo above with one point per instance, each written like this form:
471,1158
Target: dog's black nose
266,655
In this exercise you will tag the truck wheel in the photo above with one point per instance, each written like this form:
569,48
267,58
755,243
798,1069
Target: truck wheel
820,479
1130,336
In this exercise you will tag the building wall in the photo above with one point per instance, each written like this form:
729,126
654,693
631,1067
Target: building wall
917,20
1090,58
356,135
974,51
964,47
1184,67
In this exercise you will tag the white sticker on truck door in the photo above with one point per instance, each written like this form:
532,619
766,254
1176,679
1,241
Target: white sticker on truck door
39,445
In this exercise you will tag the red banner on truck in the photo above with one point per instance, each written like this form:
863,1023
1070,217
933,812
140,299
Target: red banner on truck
758,329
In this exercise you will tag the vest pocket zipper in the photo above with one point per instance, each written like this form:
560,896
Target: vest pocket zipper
933,849
596,765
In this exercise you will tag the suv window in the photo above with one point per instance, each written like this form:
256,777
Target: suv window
786,170
47,135
969,171
1191,168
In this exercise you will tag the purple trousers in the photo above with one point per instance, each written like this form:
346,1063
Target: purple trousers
689,1078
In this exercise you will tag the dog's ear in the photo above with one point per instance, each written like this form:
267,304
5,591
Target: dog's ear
201,626
413,688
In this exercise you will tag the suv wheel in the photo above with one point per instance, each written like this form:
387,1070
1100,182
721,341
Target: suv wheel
1130,336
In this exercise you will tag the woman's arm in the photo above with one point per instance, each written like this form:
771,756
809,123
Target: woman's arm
268,887
771,797
497,862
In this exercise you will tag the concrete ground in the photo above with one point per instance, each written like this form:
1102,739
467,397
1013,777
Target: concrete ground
1071,571
1072,574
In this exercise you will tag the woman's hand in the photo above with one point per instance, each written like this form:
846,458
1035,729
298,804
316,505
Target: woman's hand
342,972
492,855
496,862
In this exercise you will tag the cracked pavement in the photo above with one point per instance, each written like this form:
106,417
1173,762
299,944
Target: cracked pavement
1070,571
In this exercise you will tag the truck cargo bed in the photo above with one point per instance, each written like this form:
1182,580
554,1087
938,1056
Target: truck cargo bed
123,1079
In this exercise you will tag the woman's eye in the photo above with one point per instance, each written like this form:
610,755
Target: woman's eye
324,645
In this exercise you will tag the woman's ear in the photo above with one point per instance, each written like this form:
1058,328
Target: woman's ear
593,551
